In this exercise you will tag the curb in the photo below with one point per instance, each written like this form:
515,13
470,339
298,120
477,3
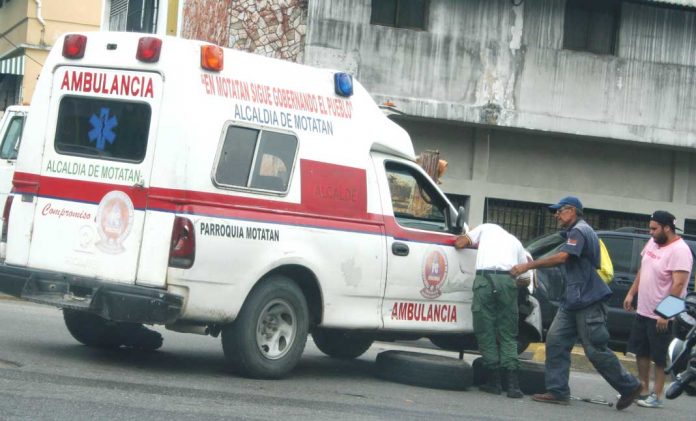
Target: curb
578,360
8,297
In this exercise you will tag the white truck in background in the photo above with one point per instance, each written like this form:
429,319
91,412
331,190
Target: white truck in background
11,128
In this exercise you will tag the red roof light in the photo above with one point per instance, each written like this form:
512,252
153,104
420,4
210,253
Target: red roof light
74,46
149,49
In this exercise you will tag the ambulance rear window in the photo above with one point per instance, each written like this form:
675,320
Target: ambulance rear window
257,159
102,128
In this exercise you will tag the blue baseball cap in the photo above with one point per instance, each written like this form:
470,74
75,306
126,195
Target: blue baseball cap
567,201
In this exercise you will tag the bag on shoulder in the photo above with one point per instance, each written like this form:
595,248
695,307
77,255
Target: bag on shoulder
606,268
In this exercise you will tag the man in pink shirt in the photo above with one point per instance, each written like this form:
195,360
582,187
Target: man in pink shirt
664,270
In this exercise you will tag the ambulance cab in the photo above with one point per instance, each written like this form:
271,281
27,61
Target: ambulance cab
174,182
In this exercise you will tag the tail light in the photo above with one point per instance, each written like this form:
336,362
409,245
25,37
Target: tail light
182,251
149,49
6,218
74,46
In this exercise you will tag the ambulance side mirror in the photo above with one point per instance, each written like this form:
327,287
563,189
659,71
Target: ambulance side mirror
459,223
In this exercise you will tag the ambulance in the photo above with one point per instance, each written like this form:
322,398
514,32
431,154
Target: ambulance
164,181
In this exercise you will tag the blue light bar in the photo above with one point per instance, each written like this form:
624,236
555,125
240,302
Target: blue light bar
343,84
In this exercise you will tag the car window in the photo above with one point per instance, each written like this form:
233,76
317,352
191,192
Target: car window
639,245
254,158
415,201
10,143
621,252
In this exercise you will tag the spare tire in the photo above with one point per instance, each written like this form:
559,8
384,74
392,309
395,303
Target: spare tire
342,344
531,376
425,370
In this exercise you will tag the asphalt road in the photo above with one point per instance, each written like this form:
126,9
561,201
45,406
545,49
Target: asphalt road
45,374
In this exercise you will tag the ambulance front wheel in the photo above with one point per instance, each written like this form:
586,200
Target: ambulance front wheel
341,343
268,337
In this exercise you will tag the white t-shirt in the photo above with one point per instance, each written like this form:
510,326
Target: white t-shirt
497,249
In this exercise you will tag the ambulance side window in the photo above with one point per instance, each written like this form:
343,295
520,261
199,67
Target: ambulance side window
257,159
415,201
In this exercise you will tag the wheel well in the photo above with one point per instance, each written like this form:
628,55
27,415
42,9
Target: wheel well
308,283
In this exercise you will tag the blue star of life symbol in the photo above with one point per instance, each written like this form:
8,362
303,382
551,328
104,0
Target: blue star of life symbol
102,128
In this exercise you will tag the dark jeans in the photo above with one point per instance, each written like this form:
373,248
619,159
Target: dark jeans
590,324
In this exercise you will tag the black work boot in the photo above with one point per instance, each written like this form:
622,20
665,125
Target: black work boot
493,384
513,385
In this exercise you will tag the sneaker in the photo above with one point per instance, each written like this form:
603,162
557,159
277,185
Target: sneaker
651,402
626,400
550,398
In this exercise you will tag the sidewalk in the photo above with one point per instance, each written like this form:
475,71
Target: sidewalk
578,360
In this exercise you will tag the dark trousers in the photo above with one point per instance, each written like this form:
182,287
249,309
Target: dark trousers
494,311
590,325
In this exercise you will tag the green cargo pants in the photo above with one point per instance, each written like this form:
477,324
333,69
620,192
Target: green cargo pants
495,320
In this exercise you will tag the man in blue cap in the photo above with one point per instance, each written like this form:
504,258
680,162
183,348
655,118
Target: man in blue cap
582,312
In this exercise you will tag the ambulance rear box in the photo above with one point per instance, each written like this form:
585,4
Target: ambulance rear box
173,182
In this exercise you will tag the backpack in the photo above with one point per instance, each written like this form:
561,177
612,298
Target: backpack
606,268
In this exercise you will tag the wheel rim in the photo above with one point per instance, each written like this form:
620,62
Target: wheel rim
276,329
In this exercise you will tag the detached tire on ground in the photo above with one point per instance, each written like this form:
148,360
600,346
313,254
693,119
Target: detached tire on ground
531,376
341,343
91,330
268,337
425,370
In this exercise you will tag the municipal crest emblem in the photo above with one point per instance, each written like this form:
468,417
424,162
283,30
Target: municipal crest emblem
114,221
434,273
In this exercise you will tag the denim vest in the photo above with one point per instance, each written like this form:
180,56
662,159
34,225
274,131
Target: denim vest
583,285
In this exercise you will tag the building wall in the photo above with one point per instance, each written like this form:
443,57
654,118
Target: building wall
273,28
20,24
490,62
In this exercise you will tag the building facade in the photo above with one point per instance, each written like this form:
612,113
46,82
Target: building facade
28,29
528,100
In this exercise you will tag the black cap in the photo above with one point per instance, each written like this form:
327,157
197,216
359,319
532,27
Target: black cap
664,218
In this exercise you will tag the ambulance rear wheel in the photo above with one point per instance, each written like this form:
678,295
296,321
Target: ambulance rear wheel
91,330
341,343
268,337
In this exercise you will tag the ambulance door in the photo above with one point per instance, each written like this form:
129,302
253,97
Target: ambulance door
429,282
95,174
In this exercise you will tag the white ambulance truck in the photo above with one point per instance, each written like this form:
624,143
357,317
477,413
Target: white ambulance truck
169,181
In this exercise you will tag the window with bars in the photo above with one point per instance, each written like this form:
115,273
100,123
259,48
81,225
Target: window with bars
410,14
527,220
134,16
591,25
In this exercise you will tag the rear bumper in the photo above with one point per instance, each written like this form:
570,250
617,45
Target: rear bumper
112,301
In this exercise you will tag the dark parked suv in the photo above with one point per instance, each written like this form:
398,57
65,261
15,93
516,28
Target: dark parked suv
624,246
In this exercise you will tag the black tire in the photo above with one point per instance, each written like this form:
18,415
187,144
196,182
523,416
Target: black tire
468,342
341,343
91,330
273,302
425,370
531,376
137,336
454,342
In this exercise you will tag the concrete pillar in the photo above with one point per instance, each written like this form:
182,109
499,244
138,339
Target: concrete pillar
479,174
680,184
